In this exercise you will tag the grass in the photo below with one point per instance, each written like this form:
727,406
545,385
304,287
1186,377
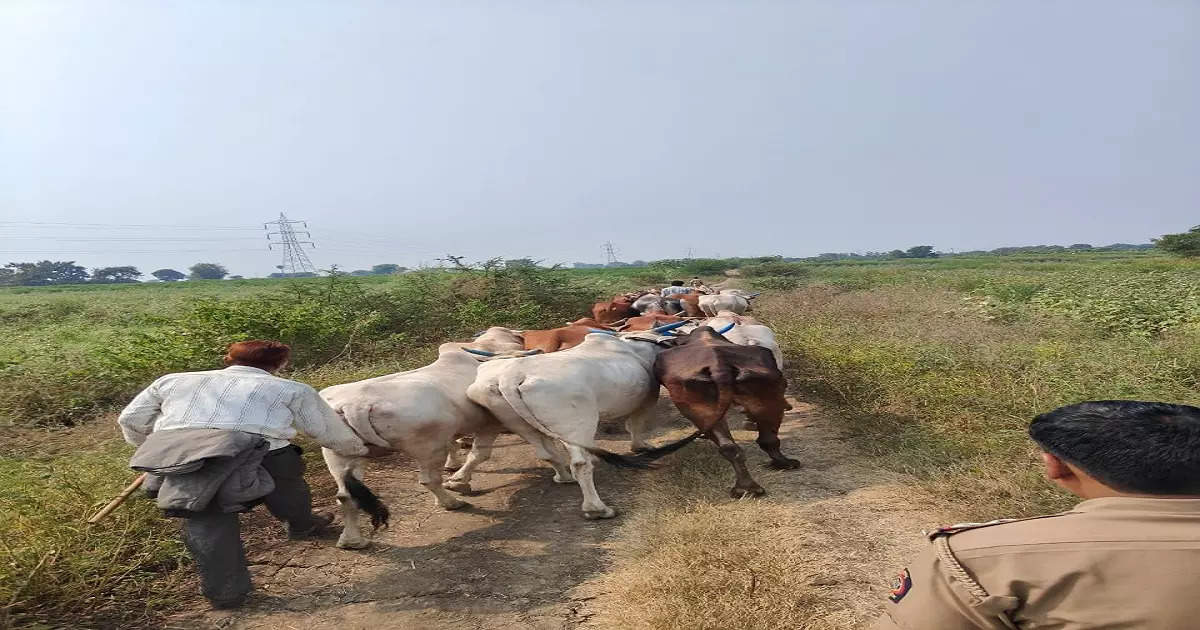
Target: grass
929,367
56,570
936,386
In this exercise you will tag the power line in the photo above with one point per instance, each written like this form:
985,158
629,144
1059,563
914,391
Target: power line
130,225
295,260
136,238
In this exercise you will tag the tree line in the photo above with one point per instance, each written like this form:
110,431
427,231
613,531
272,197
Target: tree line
57,272
54,272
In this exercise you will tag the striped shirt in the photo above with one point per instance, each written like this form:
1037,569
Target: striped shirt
674,290
237,398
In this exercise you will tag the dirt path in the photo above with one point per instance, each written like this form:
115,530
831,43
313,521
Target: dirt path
522,557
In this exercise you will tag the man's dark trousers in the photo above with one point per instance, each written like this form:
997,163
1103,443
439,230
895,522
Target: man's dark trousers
215,538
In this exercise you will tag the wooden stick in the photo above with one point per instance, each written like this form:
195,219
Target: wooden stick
112,505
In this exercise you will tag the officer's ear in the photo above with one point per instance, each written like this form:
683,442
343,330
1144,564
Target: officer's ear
1056,469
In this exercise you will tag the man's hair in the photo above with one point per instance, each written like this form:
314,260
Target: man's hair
677,283
1128,445
262,354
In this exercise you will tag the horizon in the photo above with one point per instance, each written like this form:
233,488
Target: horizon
403,132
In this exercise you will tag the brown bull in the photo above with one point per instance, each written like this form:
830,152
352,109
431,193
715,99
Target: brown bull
646,322
706,374
691,305
555,339
592,323
613,310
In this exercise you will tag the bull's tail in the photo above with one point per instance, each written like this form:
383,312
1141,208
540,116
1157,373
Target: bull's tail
510,390
645,459
723,382
367,501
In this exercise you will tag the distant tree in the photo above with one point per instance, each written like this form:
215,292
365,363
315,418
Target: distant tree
298,274
360,272
234,278
638,263
1080,246
46,272
387,269
895,253
1185,244
920,251
7,276
515,263
115,275
168,275
207,271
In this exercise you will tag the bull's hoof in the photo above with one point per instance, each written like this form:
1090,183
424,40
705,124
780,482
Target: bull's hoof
749,426
593,515
784,464
353,543
451,468
563,479
453,504
752,491
458,486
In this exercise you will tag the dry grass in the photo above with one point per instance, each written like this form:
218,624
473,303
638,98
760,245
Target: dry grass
815,554
932,387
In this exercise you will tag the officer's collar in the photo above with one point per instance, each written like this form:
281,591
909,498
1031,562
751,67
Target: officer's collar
1139,504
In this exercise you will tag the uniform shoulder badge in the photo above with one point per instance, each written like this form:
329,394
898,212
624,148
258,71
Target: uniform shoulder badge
900,586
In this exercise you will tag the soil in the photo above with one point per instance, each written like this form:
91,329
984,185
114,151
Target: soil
521,556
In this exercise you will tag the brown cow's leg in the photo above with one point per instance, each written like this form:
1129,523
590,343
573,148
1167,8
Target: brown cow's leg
768,421
744,485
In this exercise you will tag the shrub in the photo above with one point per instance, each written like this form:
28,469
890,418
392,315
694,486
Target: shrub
785,269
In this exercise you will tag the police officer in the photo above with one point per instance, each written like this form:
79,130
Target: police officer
1128,556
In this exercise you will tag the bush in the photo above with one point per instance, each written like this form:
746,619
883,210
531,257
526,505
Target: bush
335,318
784,269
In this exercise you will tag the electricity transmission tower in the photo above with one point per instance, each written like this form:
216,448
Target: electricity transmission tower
609,252
294,259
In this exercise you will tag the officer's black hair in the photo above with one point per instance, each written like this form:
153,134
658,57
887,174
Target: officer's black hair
677,283
1128,445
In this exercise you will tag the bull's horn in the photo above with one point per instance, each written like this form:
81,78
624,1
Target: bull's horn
478,334
663,329
603,332
531,352
726,329
482,353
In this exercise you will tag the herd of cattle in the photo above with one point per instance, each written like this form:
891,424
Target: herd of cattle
554,387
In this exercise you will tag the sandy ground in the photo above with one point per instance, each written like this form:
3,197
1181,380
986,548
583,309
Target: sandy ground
522,556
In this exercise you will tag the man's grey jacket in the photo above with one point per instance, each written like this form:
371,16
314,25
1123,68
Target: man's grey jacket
194,470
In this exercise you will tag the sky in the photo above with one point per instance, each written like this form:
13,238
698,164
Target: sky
162,133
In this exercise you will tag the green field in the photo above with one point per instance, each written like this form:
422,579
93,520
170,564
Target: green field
934,367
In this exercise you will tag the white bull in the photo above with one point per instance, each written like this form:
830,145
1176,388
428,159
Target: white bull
419,412
650,303
560,398
747,332
710,305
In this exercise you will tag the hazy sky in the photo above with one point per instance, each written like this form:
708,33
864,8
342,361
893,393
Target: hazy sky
405,130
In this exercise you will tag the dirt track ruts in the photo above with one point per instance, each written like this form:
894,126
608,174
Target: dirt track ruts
521,556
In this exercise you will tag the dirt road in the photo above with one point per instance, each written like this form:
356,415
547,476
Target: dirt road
522,557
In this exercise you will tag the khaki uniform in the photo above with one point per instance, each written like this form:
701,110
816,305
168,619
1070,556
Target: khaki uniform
1115,562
